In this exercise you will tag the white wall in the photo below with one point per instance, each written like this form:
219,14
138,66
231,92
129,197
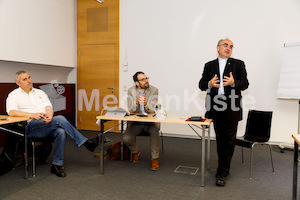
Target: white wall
171,40
38,31
38,36
39,73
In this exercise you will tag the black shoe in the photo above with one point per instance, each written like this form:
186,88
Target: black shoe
220,180
91,144
58,170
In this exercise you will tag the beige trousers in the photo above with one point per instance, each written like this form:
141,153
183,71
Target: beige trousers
135,129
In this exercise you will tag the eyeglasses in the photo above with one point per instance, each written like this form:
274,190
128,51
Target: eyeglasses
226,45
144,79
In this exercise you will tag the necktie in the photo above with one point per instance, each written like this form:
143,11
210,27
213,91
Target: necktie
142,108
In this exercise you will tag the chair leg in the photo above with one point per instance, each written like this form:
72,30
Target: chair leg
33,158
251,160
271,157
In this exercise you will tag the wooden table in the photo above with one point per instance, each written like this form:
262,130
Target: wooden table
5,120
175,119
295,170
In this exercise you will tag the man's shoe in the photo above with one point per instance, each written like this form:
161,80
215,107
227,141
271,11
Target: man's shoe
220,180
91,144
154,165
135,157
58,170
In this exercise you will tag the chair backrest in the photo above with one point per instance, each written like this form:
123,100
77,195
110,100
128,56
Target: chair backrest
258,126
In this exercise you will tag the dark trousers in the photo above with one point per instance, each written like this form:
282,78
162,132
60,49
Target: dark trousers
225,130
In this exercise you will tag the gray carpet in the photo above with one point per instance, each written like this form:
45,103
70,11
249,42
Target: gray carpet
124,180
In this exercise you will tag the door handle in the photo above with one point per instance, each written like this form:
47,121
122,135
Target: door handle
110,88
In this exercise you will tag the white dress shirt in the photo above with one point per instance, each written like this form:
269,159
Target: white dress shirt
222,64
34,102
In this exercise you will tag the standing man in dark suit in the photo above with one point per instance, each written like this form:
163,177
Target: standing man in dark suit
224,78
142,99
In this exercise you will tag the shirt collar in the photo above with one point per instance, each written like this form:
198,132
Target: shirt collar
222,60
141,91
32,90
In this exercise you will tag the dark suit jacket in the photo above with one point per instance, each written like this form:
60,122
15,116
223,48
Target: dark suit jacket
233,97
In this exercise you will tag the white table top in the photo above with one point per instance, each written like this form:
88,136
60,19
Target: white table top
171,118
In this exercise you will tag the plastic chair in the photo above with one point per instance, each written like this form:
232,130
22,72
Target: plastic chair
37,142
257,132
32,142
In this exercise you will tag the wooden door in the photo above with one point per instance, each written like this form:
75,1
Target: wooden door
96,80
97,60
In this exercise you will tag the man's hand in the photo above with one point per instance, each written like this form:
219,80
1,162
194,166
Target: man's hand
228,80
49,115
48,119
142,100
37,116
214,82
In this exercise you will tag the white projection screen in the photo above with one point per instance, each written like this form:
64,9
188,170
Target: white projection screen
38,31
289,82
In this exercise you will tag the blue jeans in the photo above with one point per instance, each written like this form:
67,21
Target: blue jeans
58,129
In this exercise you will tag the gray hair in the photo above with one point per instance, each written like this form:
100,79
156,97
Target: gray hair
219,42
17,78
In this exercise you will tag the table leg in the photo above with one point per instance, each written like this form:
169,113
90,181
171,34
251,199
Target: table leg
101,147
203,157
26,152
295,170
208,149
122,147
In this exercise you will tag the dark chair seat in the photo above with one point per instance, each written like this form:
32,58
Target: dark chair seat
243,142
